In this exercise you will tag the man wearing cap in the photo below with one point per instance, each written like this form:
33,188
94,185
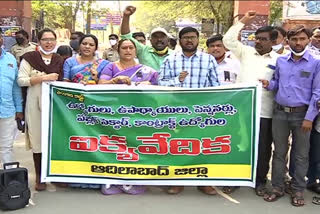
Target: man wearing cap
111,54
297,90
150,56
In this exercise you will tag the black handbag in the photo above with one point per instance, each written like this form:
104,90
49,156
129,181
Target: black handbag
14,189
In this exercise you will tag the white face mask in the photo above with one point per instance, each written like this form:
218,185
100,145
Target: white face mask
112,42
276,48
299,54
48,52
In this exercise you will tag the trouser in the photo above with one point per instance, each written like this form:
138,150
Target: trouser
314,157
264,150
282,124
7,134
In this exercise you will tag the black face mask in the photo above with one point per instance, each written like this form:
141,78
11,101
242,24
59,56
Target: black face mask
20,41
75,45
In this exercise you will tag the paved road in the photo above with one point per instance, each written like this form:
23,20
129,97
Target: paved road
154,201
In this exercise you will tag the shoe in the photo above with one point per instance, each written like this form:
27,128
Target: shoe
133,189
207,190
175,189
111,189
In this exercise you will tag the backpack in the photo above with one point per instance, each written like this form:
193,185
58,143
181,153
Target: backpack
14,189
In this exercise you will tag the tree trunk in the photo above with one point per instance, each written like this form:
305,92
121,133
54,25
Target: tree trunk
88,29
74,15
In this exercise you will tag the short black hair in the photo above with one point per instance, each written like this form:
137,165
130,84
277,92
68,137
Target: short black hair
23,32
217,37
268,29
134,35
281,30
188,30
95,39
46,30
78,33
64,50
115,35
298,29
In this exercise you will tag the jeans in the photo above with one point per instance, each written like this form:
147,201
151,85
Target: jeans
282,124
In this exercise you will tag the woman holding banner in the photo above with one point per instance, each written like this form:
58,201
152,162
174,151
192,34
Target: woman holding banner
127,71
84,68
35,68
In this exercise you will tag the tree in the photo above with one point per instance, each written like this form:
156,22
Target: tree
151,14
57,14
276,8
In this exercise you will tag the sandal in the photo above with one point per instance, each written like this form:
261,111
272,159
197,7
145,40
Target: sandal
316,200
297,199
274,195
229,189
261,190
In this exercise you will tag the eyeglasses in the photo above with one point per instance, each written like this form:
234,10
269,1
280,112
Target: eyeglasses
48,40
192,38
262,39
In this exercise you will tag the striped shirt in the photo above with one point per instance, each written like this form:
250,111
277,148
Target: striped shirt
201,68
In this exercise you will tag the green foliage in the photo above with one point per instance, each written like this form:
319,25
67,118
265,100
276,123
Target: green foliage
276,7
57,14
152,14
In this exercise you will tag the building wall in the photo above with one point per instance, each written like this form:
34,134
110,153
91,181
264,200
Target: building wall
16,13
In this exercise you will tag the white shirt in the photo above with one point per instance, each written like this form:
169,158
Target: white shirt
253,66
228,70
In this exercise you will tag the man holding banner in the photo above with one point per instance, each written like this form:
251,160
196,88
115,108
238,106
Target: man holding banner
189,68
257,63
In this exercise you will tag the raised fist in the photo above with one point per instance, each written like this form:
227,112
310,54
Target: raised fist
129,10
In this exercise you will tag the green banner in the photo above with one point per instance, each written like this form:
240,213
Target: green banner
149,135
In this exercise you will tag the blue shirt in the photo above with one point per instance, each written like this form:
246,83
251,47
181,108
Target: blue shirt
201,68
297,83
10,92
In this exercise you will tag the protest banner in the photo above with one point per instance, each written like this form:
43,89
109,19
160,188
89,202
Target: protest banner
149,135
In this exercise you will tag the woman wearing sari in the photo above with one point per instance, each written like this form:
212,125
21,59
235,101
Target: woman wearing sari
35,68
126,71
84,68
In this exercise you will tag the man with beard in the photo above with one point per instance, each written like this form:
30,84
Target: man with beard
228,68
189,68
297,90
257,63
315,42
150,56
23,45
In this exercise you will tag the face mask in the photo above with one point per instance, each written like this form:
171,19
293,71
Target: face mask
299,54
74,44
276,48
48,52
20,41
112,42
